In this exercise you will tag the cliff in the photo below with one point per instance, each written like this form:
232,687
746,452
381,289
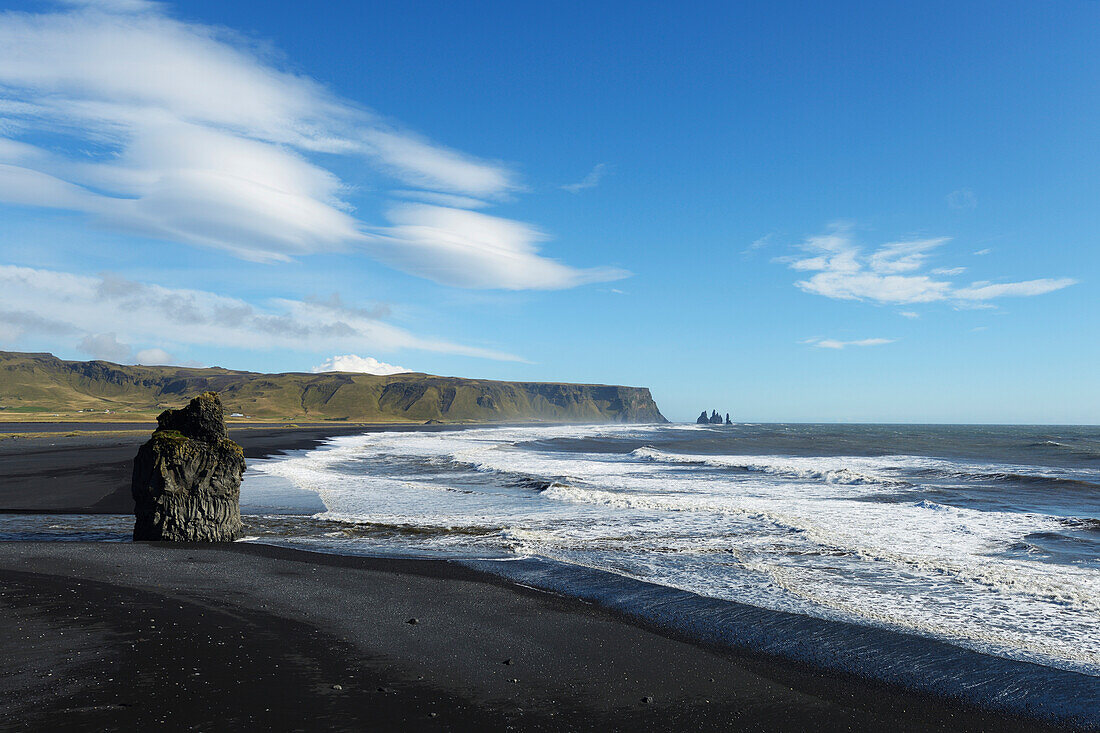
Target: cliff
32,384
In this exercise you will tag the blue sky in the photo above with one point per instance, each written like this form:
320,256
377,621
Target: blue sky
787,211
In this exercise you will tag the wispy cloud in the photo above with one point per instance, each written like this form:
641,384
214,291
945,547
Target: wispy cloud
592,180
186,133
765,241
989,291
963,198
835,344
909,314
441,199
892,273
474,250
981,252
361,364
152,316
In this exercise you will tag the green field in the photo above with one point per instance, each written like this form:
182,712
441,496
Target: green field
38,386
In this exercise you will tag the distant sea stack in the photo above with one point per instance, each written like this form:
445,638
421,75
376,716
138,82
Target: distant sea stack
713,419
187,477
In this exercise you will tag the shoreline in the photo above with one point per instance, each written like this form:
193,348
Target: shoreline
876,655
90,473
824,689
169,624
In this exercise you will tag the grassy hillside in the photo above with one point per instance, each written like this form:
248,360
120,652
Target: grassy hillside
38,386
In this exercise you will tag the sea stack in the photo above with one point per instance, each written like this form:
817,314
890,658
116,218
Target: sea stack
187,477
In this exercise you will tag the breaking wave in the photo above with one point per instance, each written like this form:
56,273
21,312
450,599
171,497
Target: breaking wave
986,554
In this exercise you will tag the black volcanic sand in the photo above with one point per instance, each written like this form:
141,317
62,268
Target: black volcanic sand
102,636
90,474
210,637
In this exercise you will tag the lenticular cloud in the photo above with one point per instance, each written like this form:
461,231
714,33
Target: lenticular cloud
185,133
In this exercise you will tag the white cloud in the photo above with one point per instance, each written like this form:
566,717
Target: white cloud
835,344
442,199
153,357
419,162
144,313
949,271
589,181
473,250
909,314
105,346
354,363
898,257
981,252
188,134
988,291
891,274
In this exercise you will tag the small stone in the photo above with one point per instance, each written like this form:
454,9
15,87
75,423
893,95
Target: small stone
648,699
508,661
433,715
337,687
413,621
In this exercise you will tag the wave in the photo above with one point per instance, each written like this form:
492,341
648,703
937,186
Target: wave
1083,449
903,536
1014,477
797,468
1087,524
857,470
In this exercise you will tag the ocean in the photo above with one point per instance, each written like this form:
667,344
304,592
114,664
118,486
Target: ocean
984,537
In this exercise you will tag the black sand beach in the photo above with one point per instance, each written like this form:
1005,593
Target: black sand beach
121,636
105,636
89,473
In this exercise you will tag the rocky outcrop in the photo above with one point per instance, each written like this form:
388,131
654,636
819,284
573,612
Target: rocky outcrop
702,419
728,422
187,477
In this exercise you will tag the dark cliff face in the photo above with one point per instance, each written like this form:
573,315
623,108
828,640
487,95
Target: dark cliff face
43,381
187,477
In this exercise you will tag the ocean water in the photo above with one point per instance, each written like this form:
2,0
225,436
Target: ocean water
987,538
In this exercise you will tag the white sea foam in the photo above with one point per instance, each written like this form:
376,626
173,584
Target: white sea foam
806,534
